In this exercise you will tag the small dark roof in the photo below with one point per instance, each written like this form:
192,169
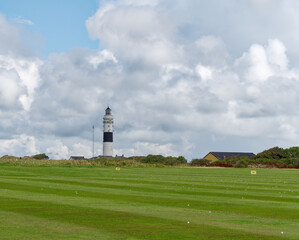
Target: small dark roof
224,155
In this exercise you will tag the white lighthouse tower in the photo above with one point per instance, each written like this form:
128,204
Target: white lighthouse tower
108,133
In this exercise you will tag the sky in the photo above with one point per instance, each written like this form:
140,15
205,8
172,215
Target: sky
182,77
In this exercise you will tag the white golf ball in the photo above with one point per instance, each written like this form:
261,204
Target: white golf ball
188,222
281,232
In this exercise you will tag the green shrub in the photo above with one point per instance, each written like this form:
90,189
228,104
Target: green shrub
296,163
292,152
181,160
242,163
159,159
40,156
221,163
235,159
200,162
153,159
272,153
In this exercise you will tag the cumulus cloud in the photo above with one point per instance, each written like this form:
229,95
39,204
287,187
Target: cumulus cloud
19,78
276,52
256,64
19,71
58,150
10,89
19,145
135,31
101,57
140,148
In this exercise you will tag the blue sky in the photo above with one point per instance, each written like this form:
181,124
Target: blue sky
57,26
183,77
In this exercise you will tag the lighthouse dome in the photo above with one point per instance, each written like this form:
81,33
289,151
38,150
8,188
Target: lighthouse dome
108,111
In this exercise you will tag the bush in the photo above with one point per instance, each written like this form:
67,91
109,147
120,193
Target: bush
40,156
153,159
159,159
272,153
296,163
292,152
241,164
181,160
200,162
221,164
233,160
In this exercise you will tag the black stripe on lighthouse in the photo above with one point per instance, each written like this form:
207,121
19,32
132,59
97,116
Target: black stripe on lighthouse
108,137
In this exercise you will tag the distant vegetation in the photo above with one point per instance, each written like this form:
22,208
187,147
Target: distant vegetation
272,158
159,159
40,156
101,162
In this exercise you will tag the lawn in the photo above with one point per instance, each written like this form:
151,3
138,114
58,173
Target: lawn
147,203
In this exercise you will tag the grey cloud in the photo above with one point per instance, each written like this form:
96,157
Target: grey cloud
10,89
10,41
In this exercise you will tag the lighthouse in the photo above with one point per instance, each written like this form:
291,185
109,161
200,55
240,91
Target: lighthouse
108,133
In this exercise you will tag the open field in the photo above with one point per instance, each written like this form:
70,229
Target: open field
147,203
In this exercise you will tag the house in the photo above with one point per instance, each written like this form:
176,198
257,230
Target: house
77,157
216,156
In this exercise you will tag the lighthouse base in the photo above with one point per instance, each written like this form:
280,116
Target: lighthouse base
108,149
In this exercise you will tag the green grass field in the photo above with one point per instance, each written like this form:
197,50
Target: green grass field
148,203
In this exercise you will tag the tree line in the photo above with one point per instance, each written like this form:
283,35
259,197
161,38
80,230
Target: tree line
275,157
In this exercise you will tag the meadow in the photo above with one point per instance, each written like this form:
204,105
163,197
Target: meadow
60,202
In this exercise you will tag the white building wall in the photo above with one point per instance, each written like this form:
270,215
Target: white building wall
108,149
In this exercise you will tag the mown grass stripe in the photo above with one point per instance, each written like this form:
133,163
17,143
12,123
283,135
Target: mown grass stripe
175,188
214,192
128,224
249,181
202,204
18,226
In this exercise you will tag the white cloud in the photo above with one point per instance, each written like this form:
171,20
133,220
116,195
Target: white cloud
58,150
254,64
204,72
276,53
288,131
135,31
19,72
79,149
10,88
19,145
153,148
10,42
19,78
143,3
22,20
101,57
